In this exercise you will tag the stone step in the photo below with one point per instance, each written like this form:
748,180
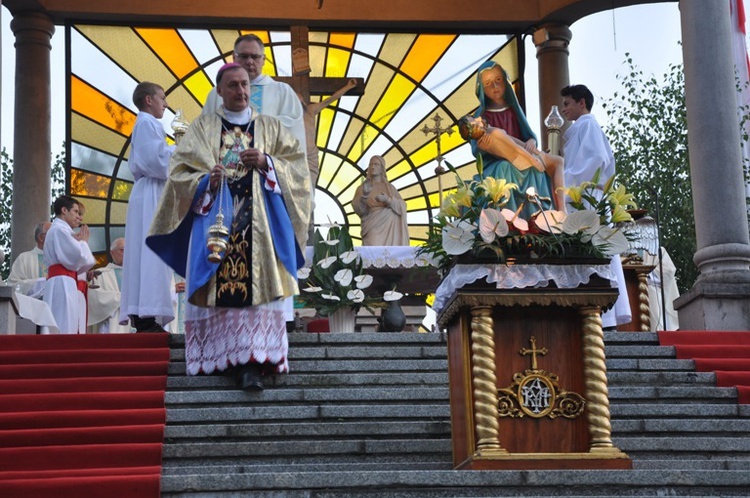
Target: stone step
735,427
364,365
419,394
636,378
308,411
332,380
409,394
450,483
277,431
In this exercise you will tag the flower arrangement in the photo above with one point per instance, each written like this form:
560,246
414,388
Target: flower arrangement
336,278
473,219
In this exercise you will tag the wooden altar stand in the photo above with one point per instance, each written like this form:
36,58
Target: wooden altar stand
528,383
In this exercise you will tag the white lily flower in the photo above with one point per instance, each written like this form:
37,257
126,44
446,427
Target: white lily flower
343,277
586,222
331,297
303,273
325,263
550,221
355,295
348,256
492,224
610,240
457,239
363,281
392,296
312,288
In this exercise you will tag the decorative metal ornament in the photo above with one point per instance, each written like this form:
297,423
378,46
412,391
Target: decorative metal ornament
536,393
217,232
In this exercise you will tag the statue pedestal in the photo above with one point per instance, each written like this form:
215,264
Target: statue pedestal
527,371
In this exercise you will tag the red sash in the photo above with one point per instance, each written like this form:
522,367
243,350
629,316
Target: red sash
59,270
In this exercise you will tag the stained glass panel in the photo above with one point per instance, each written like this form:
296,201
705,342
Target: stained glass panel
409,77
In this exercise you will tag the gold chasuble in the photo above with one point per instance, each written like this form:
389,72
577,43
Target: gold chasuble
250,273
237,315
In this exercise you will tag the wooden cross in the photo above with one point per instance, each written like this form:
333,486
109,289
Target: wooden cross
533,352
301,81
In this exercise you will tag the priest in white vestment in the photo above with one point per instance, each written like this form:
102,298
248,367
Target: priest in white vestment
586,150
29,272
66,254
267,96
104,297
671,292
147,286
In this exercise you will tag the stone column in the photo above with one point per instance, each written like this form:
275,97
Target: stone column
551,41
720,298
31,142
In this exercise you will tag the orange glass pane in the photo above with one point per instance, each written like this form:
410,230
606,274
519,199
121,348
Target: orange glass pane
168,45
88,184
342,39
423,54
93,104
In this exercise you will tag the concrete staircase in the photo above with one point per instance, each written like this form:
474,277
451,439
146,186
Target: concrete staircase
367,415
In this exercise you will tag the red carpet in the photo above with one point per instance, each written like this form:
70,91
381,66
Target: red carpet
82,416
727,354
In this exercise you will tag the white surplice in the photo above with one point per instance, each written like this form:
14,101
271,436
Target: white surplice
671,292
146,289
61,294
27,271
104,302
587,149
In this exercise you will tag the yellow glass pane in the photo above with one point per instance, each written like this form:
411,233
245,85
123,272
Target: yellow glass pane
394,97
94,211
343,178
129,51
426,50
337,63
122,190
93,104
416,203
88,184
118,213
199,85
169,46
398,170
395,47
89,133
325,121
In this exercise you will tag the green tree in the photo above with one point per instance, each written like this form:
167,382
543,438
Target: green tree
647,128
57,188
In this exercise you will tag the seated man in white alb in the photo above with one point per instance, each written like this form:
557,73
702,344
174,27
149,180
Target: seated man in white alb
104,300
29,272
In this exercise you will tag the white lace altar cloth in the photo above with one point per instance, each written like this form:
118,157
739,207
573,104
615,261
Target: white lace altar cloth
518,276
383,257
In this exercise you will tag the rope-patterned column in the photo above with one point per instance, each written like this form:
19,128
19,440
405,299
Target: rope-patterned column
595,375
484,379
643,302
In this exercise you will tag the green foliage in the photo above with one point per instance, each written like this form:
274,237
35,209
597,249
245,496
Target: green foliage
6,203
57,188
647,128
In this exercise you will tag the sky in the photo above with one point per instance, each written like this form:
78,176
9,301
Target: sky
650,33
